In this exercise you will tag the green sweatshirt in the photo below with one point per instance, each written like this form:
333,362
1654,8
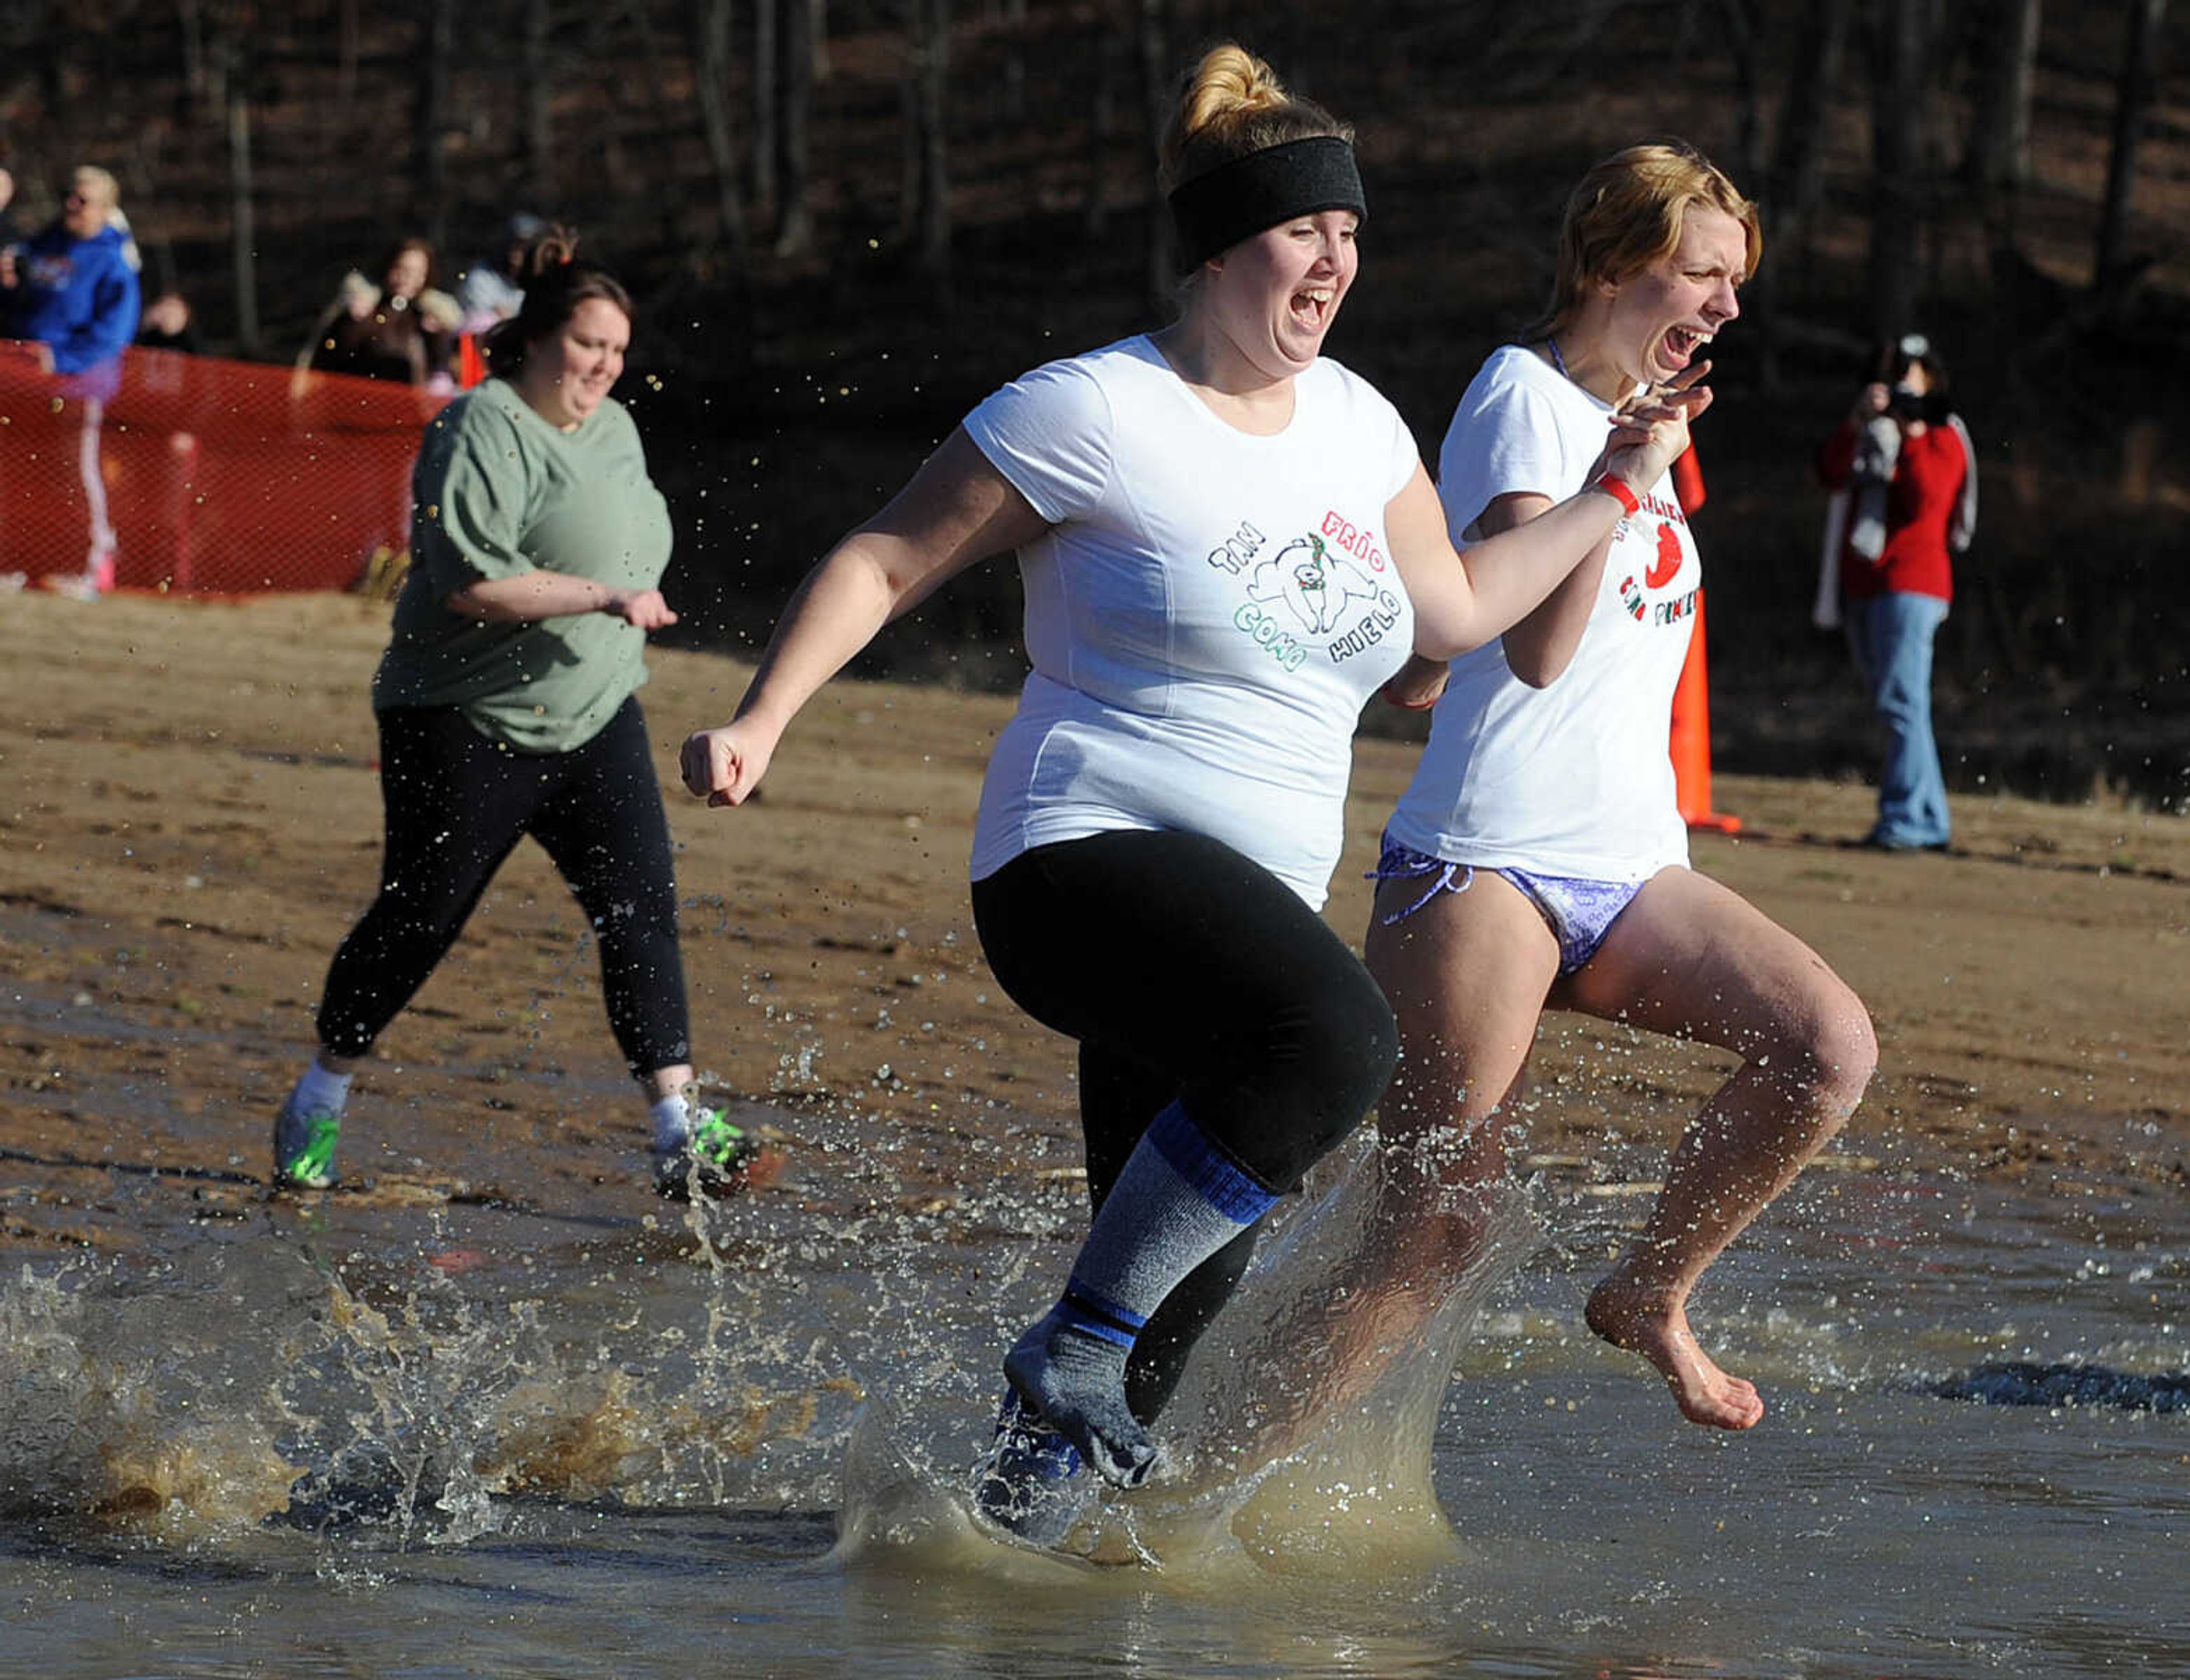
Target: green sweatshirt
499,491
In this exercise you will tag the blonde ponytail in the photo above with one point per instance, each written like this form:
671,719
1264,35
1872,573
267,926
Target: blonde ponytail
1234,104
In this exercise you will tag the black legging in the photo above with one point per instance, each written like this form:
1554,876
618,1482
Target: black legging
1191,974
457,805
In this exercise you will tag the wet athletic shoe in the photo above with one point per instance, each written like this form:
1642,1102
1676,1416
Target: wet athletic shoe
305,1147
713,1160
1034,1482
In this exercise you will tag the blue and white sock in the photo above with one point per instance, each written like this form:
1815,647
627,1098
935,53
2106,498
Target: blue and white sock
672,1122
1178,1200
320,1092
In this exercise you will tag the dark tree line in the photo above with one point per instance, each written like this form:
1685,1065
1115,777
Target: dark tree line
808,181
536,100
1951,90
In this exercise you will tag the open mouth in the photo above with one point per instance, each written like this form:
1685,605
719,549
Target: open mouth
1681,345
1312,306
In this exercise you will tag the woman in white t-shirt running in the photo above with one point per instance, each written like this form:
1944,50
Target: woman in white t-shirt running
1539,858
1228,543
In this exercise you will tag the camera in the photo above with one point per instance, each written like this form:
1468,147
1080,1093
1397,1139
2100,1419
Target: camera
1905,404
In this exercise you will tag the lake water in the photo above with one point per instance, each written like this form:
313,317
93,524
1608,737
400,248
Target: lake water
388,1433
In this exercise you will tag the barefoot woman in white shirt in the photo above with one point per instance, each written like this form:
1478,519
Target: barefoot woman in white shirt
1538,859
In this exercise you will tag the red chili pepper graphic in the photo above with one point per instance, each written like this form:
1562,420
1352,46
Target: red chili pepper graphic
1669,558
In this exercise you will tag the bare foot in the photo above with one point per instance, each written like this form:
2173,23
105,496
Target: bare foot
1653,1324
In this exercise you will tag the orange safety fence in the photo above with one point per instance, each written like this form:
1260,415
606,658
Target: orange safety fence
217,477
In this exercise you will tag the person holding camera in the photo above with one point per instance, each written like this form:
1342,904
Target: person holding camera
1903,472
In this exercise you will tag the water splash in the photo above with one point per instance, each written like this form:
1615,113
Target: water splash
1306,1424
383,1402
1301,1431
92,1426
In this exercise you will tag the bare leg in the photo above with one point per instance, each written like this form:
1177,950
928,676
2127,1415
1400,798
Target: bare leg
1693,959
1467,975
1464,975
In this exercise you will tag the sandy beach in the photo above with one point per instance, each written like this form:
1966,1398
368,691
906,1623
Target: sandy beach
192,821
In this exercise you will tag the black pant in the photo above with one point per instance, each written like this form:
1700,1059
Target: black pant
457,805
1190,973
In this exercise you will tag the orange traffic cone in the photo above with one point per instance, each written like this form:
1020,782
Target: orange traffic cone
1688,479
1691,744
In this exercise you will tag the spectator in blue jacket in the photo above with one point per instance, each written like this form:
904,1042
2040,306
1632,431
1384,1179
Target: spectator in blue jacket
72,290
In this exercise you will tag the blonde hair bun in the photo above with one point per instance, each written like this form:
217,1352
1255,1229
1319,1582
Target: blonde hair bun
1232,105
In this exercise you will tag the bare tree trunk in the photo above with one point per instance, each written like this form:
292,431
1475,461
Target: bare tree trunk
802,49
766,79
1015,62
928,64
538,96
349,47
1744,156
1798,171
1936,86
1103,118
669,206
190,15
1153,38
1897,153
40,46
1998,163
430,119
2132,98
710,80
1790,187
1684,35
243,234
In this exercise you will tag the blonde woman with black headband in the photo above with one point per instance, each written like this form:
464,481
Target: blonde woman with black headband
1228,543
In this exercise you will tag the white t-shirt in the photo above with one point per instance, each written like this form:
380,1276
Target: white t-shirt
1206,616
1574,779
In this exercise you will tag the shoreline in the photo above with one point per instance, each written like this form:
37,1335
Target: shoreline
193,821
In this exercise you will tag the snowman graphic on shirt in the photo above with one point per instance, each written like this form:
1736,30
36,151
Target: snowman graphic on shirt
1315,582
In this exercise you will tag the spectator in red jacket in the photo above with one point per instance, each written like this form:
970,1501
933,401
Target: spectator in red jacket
1904,476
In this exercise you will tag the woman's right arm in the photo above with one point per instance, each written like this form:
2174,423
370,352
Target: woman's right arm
1420,682
957,509
1462,601
1541,646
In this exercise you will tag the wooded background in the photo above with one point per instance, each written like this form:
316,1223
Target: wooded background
846,222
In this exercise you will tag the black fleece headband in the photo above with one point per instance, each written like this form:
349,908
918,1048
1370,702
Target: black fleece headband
1238,199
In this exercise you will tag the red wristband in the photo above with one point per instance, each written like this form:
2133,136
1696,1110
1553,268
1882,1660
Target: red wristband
1618,491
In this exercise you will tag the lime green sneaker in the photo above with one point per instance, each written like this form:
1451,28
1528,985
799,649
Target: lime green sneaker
713,1162
305,1147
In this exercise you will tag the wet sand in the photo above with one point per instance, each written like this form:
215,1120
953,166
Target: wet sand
191,822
